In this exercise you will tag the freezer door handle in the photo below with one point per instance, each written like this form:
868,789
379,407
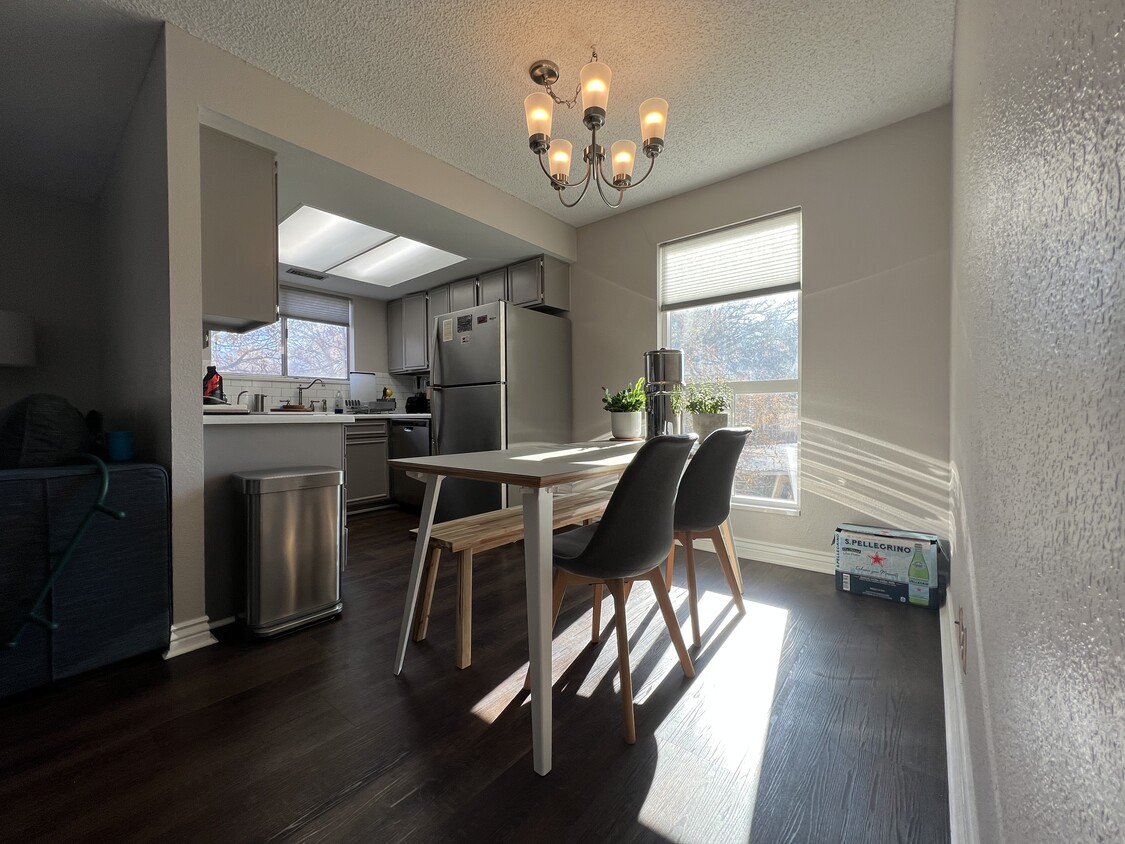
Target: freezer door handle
435,426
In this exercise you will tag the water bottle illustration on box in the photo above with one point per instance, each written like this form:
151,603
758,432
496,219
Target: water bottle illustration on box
919,576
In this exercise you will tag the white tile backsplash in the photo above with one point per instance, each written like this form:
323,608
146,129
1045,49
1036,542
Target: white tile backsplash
278,390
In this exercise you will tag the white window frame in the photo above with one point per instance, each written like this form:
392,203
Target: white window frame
283,322
784,385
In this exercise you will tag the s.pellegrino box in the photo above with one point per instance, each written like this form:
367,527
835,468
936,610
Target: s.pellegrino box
896,565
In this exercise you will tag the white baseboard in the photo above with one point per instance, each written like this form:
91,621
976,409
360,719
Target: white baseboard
188,636
779,555
959,763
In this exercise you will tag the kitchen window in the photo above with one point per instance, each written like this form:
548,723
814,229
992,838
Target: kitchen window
730,300
310,340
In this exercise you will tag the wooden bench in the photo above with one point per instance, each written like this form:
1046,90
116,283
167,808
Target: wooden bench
485,532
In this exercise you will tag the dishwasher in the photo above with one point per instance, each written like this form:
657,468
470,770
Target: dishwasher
409,438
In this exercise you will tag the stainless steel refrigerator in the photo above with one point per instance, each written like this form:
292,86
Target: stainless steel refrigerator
501,377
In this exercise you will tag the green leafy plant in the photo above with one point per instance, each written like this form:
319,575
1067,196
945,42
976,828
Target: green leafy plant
628,400
703,397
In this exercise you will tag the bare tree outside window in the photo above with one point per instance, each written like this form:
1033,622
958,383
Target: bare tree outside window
309,350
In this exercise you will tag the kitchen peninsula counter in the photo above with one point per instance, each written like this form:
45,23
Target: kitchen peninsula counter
248,442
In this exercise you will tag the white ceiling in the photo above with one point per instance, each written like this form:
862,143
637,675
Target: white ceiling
748,81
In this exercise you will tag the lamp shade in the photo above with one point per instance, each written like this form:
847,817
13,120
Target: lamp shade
622,154
654,119
17,339
594,78
539,109
560,155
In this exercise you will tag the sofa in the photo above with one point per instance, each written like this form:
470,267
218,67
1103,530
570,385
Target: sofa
113,598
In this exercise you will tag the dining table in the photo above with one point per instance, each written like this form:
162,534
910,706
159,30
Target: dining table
539,470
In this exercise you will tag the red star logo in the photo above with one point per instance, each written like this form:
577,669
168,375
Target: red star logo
876,559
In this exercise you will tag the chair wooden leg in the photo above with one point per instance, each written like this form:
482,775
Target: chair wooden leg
465,608
669,613
426,595
596,625
728,565
617,589
729,535
671,563
693,601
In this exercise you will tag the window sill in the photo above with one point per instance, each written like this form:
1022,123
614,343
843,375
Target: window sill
775,508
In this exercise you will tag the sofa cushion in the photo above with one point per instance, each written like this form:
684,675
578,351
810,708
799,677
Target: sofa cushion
41,430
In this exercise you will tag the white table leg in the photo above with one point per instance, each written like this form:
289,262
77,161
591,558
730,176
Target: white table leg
425,523
537,518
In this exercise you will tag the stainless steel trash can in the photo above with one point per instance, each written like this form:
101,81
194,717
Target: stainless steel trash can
292,524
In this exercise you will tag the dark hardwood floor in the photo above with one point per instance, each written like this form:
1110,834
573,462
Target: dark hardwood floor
817,717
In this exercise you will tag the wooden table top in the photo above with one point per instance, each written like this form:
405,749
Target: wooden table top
536,466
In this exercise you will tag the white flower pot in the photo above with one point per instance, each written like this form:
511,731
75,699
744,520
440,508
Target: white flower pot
704,423
627,426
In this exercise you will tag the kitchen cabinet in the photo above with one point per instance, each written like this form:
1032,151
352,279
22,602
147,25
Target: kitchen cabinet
542,283
238,231
407,334
493,286
439,301
395,347
365,474
462,294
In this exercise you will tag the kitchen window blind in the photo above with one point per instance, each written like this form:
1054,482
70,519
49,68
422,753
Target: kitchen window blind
313,306
743,260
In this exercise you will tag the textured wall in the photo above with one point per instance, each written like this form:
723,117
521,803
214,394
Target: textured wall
1038,412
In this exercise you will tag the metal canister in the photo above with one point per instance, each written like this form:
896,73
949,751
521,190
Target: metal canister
664,372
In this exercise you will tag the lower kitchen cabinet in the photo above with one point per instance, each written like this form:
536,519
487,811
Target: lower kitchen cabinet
366,476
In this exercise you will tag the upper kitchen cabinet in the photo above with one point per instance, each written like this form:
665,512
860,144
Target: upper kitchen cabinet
439,301
238,208
542,283
462,294
408,334
493,286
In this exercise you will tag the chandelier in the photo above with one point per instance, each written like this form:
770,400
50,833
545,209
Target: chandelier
555,154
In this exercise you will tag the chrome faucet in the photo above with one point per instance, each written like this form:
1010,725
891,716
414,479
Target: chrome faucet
301,390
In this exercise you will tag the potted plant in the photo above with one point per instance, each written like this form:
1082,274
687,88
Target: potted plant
626,411
707,402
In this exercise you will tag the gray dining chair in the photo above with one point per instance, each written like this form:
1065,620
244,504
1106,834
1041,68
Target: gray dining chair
703,512
629,543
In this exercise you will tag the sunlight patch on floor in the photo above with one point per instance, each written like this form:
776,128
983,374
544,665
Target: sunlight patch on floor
729,704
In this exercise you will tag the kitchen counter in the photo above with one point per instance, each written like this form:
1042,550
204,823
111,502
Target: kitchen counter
364,417
283,418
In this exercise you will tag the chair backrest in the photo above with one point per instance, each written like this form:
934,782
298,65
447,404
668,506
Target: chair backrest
703,500
635,532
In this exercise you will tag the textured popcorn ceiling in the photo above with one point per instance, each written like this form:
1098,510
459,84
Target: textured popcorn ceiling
748,82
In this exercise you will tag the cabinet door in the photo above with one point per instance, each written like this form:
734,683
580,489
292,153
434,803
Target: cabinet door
238,231
493,286
439,301
367,472
462,294
526,282
395,356
414,334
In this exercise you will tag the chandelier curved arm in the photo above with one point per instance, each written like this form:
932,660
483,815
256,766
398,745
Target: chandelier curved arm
560,185
601,193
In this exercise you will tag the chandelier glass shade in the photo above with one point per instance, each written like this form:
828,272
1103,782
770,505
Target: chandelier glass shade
555,154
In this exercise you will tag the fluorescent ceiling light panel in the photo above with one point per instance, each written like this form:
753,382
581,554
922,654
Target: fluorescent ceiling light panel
317,240
396,261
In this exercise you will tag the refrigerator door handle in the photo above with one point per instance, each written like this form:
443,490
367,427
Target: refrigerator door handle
435,422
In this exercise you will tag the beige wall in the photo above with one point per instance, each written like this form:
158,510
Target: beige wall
1038,414
875,318
50,248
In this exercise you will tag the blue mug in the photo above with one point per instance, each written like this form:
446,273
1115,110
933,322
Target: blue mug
119,445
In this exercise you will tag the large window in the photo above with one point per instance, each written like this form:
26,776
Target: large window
310,340
730,300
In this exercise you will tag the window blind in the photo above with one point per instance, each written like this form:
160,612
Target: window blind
733,262
313,306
